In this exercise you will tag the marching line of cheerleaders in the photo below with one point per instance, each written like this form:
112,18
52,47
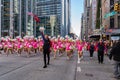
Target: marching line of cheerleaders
59,45
31,45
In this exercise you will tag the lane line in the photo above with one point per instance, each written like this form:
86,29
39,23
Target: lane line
79,69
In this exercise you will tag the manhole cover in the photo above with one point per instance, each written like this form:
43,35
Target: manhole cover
89,75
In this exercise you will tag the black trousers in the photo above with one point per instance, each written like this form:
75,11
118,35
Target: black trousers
91,53
100,56
46,53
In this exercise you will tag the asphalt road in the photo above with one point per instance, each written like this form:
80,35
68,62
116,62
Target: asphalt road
15,67
89,68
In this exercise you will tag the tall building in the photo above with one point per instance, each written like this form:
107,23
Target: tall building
110,24
67,16
54,16
107,26
5,17
30,6
92,19
14,18
87,4
94,14
114,20
82,27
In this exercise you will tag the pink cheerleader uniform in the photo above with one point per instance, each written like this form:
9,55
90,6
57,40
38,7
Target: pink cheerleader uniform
19,45
79,47
68,47
55,46
59,44
35,45
4,44
29,45
9,45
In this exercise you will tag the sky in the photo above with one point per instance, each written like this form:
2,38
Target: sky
76,11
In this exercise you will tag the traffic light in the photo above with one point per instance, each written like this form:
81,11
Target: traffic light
116,6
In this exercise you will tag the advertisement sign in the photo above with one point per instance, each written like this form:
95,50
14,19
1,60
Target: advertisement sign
115,38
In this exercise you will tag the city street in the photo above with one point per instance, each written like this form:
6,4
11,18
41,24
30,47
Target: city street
59,26
22,68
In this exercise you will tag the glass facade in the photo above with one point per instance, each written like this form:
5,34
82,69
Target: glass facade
15,19
46,9
19,13
46,22
5,17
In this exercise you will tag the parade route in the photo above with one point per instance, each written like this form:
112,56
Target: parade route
22,68
89,69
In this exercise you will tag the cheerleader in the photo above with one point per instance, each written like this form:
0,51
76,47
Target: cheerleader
19,47
80,48
60,45
35,45
9,47
55,48
27,46
4,43
69,50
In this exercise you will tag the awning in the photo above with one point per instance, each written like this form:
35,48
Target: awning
113,32
94,36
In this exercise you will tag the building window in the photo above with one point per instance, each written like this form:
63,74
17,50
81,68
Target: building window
111,23
111,2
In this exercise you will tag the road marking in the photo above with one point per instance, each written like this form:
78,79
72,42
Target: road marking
78,61
78,69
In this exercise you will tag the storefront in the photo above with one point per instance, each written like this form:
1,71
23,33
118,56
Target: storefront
114,34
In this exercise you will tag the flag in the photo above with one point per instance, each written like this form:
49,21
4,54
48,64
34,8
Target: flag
36,18
30,13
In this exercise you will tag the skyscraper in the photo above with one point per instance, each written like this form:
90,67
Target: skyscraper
54,16
86,17
14,18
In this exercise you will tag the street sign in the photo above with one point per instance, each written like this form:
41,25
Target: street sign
110,14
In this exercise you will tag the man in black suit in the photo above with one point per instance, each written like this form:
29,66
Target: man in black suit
101,48
46,48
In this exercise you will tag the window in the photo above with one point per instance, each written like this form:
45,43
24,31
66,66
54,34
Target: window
111,23
111,2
